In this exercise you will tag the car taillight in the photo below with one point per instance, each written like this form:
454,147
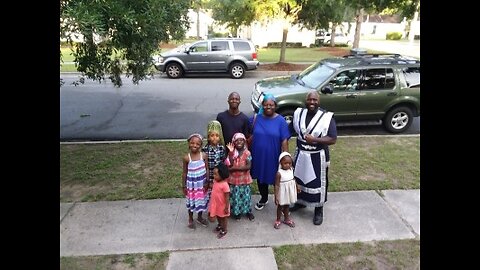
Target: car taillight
254,56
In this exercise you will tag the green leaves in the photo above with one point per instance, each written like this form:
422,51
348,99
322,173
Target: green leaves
132,28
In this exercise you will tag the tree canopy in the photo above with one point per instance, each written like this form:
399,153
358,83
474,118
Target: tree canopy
121,35
233,13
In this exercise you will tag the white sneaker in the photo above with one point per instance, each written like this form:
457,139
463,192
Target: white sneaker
259,206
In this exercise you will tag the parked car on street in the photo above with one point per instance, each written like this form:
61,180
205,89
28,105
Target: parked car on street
232,55
357,88
340,39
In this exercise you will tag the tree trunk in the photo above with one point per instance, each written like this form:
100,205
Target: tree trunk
411,34
198,23
284,44
332,35
358,27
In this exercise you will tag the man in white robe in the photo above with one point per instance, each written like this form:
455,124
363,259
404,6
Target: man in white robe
316,129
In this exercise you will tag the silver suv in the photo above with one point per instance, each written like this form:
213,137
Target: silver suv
232,55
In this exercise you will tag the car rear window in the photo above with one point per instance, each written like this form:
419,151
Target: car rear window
412,76
241,46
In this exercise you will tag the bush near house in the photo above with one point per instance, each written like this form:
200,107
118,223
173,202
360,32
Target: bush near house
289,45
394,36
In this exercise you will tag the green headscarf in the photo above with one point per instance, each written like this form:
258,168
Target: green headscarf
215,126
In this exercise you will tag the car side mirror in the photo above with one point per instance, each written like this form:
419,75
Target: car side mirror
187,50
327,89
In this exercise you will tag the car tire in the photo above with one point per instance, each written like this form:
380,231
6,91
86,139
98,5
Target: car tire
398,119
174,71
288,116
237,70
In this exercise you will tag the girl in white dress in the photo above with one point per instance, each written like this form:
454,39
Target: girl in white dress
285,189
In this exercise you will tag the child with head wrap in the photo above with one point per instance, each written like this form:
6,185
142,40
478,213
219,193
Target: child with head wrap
214,149
239,162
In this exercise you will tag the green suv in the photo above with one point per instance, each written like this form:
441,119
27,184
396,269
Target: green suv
359,87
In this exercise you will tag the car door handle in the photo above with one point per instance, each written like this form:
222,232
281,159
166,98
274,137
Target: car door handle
204,54
351,96
392,94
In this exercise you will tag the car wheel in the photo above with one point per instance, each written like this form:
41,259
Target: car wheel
174,71
398,119
237,70
288,115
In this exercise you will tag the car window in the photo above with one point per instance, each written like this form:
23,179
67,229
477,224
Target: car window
389,79
345,81
378,78
219,46
241,46
315,75
412,76
199,47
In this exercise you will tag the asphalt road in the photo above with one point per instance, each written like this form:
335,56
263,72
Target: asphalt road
159,108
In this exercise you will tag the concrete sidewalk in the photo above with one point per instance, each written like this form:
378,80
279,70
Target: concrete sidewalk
121,227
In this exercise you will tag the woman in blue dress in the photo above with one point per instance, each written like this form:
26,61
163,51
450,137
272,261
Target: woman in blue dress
270,138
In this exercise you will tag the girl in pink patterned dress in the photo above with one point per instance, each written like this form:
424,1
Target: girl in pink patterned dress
239,161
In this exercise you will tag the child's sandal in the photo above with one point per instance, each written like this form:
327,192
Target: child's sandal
277,224
221,234
289,223
202,222
191,225
217,229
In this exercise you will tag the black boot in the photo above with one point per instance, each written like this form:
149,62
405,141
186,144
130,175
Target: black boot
318,217
295,207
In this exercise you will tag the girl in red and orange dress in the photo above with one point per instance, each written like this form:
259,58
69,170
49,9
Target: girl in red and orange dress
219,206
239,162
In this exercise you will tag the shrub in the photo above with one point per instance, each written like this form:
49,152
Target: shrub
289,45
393,35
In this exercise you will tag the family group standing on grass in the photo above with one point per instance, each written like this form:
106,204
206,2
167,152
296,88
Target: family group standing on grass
217,177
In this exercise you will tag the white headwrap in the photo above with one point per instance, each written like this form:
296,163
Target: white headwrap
281,156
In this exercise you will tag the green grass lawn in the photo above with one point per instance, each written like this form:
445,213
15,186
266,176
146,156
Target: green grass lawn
292,55
152,170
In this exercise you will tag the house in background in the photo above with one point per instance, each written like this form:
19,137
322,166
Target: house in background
204,20
263,33
373,27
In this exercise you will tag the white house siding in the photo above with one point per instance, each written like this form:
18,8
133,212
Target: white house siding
205,21
261,34
379,30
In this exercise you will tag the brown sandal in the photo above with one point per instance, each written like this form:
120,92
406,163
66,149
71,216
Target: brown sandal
191,225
